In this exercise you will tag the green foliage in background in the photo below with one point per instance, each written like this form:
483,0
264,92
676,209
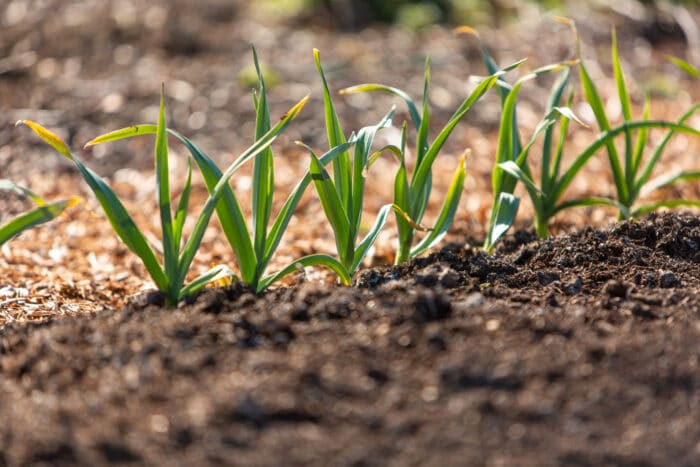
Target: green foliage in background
415,14
412,14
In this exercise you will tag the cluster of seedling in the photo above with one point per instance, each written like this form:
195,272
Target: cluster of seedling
350,159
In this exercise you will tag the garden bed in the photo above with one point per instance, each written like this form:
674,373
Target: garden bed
579,349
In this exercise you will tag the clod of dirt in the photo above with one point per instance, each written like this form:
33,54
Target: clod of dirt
617,288
669,280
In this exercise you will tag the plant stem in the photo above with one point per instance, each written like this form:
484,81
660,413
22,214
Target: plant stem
541,227
403,252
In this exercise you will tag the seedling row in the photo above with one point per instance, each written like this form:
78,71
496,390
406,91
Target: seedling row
339,176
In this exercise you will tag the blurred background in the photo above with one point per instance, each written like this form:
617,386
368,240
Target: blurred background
354,14
89,64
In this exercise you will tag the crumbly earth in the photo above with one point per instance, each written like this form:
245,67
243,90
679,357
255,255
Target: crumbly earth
576,350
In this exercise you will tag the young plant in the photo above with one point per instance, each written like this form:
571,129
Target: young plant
631,173
510,151
254,247
44,211
546,197
412,196
342,195
170,277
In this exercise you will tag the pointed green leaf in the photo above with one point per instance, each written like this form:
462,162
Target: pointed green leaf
554,100
625,103
307,261
422,136
422,172
119,218
373,87
123,133
514,170
285,214
26,192
263,169
182,206
44,213
685,66
332,207
447,213
596,103
170,251
658,151
342,171
228,209
214,274
668,180
370,238
506,210
605,139
195,239
363,148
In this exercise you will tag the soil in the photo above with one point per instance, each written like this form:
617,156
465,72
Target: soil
578,350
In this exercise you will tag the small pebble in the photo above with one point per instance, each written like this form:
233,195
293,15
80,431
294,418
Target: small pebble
474,300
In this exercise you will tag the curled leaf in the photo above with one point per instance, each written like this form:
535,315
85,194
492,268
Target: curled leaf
51,138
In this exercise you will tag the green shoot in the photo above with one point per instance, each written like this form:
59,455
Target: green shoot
342,195
170,277
631,171
253,250
412,192
511,157
553,180
44,211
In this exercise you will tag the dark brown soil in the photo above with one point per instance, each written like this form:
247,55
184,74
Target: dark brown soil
578,350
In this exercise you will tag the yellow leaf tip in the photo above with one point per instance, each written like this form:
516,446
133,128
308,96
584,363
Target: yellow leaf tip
303,102
563,20
74,201
466,30
465,155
